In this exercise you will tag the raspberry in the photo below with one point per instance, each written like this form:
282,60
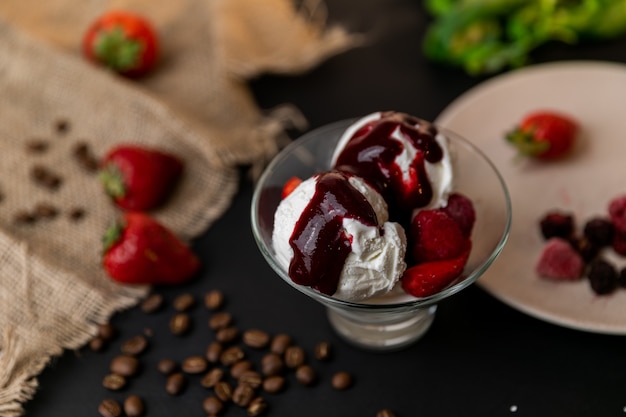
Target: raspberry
461,209
617,212
619,242
602,277
560,261
621,278
599,231
557,224
587,249
436,236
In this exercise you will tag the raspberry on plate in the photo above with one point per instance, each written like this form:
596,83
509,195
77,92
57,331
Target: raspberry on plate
560,261
617,213
557,224
436,236
602,277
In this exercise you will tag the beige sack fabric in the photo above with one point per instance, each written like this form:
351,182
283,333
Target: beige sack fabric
53,291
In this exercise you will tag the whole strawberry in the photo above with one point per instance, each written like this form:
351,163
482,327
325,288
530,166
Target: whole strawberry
544,135
139,178
140,250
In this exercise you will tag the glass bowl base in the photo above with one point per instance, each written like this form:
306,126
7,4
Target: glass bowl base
384,334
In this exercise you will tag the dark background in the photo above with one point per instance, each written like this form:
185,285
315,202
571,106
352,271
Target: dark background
480,358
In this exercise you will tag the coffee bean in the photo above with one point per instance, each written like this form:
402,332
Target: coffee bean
184,302
97,344
227,334
175,384
232,355
243,395
220,320
272,364
385,413
167,366
43,176
194,365
212,405
110,408
280,343
213,352
76,213
306,375
274,384
223,391
240,367
256,339
152,304
106,331
341,380
135,345
124,365
24,217
180,324
62,126
37,146
294,357
211,378
46,211
214,300
257,407
322,351
114,382
251,377
134,406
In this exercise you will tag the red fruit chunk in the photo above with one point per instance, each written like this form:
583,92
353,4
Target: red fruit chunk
557,224
461,209
291,184
429,278
619,243
617,213
560,261
436,236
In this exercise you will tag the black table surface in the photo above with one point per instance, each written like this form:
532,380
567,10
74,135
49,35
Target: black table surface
480,357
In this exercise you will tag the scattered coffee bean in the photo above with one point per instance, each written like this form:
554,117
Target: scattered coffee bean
114,382
43,176
294,357
184,302
194,365
223,391
167,366
213,352
211,378
106,331
243,395
212,405
62,126
385,413
97,344
322,351
227,334
240,367
134,406
46,211
110,408
306,375
232,355
24,217
152,304
214,300
135,345
124,365
272,364
77,213
274,384
256,339
280,343
220,320
341,380
84,156
257,407
180,324
251,377
37,146
175,384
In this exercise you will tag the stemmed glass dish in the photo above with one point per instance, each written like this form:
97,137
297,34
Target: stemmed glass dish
397,320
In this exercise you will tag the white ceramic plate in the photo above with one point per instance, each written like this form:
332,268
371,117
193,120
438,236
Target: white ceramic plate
595,94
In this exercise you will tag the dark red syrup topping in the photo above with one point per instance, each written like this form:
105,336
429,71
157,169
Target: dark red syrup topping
319,242
371,154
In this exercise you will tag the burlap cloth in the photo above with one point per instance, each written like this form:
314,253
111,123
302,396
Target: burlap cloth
53,291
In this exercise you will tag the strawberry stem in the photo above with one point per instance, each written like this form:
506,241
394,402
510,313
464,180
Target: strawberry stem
117,51
526,144
113,181
112,235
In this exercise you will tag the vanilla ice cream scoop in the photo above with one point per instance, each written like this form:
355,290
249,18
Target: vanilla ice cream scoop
405,158
332,233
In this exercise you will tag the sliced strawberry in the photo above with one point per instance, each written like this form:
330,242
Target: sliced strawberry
560,261
461,209
429,278
436,236
291,184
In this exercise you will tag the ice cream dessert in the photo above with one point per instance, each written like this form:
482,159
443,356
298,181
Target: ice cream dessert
355,231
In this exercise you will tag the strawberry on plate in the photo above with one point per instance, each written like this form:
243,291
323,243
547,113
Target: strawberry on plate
544,135
140,250
138,177
122,41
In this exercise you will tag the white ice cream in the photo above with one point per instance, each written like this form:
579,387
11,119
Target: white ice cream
376,262
440,173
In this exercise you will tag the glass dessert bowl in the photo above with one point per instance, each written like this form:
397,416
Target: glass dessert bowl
396,319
